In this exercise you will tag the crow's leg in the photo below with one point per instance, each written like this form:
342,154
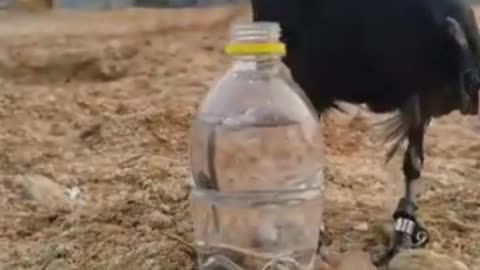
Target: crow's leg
408,233
406,225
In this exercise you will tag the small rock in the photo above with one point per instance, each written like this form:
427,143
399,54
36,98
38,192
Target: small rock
436,245
187,185
358,260
322,226
111,70
320,264
158,220
266,234
58,264
74,193
44,191
474,266
422,259
361,227
165,208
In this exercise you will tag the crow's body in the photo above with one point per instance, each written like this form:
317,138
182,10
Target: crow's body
378,52
420,58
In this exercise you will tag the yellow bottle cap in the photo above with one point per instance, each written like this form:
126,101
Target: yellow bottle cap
277,48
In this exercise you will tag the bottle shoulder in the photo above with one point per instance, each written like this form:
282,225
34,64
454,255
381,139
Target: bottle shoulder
240,90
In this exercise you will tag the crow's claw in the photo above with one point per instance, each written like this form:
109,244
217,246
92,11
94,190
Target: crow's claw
408,234
421,237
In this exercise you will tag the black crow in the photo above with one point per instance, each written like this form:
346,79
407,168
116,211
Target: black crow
419,58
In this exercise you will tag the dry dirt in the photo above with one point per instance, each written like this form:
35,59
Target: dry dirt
104,101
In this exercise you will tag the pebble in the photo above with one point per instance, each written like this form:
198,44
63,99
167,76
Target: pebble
422,259
436,245
44,191
58,264
361,227
355,260
266,233
351,260
475,264
158,220
74,193
189,183
413,259
165,208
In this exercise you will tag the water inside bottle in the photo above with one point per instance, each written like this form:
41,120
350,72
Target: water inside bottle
262,208
256,231
280,155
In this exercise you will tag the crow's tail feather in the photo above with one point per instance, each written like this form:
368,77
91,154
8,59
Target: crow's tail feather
398,127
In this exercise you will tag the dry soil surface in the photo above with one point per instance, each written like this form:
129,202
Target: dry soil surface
103,102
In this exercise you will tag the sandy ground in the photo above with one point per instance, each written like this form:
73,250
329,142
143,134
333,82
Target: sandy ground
103,102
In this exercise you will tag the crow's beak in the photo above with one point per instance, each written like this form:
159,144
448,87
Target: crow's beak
469,93
470,103
474,102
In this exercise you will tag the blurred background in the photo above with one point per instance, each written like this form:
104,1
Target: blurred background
109,4
96,99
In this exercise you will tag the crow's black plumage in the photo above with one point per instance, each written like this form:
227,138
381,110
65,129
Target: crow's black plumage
420,58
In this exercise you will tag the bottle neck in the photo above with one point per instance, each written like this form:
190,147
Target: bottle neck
256,47
268,64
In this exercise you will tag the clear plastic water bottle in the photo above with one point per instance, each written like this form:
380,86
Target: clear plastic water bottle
256,151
